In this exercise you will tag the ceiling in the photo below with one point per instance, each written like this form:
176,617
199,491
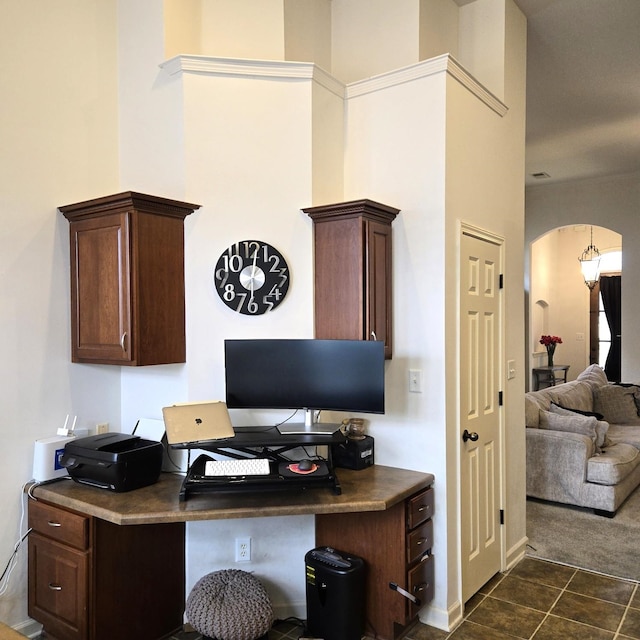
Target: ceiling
583,88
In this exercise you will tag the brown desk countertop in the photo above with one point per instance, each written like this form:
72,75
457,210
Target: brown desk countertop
373,489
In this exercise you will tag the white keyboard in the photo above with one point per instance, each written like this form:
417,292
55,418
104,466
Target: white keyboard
231,468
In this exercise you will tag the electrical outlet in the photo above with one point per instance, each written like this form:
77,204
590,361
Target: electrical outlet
243,549
102,427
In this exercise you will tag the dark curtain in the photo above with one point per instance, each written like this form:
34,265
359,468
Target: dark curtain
610,289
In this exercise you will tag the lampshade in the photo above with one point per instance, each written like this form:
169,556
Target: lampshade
590,264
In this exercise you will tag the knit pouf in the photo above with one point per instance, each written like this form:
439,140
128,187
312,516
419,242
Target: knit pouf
229,605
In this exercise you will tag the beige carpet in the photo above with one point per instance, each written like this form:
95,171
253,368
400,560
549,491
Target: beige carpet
577,537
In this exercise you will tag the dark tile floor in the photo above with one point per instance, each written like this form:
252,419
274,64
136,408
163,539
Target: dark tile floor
539,600
535,600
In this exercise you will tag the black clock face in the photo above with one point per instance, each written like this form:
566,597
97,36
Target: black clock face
251,277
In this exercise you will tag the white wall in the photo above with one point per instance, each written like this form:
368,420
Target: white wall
244,144
610,202
59,145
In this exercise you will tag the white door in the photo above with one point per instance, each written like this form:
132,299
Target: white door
480,415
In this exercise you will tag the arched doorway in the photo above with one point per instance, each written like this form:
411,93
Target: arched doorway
560,303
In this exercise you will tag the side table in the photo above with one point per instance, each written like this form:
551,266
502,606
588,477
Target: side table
549,376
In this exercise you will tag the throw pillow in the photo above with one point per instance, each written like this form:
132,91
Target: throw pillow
617,404
602,442
594,375
586,425
636,394
594,414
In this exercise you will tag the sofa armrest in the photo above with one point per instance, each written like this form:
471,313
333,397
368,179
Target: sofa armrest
557,464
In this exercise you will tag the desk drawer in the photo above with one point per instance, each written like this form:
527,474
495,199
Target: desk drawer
64,526
419,541
421,583
420,508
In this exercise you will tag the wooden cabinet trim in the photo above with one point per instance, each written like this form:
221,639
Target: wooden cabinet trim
127,279
353,271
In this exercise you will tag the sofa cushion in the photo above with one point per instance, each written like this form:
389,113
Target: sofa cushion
617,404
627,433
601,426
612,465
574,423
574,394
594,375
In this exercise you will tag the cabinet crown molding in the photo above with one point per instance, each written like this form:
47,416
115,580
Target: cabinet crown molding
365,208
128,200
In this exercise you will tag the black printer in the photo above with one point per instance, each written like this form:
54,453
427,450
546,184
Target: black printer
115,461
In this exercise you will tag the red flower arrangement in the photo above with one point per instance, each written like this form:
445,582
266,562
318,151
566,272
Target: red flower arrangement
550,343
547,340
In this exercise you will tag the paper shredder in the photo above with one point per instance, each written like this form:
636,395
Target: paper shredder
335,590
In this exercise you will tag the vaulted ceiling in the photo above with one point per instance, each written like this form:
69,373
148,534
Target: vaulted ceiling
583,88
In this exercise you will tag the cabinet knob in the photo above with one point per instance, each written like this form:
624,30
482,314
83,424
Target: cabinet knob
373,335
53,523
55,587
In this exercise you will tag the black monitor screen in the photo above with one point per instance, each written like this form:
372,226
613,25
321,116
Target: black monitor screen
335,375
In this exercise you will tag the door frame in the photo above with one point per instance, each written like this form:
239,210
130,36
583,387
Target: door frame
487,236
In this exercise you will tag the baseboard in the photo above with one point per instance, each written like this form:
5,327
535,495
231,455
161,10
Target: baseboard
29,628
516,552
285,610
443,619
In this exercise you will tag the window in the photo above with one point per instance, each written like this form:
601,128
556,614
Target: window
600,334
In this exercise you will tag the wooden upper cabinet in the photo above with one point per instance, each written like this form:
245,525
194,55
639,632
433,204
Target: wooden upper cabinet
127,279
353,275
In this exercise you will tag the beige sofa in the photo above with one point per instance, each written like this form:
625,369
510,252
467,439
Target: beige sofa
583,442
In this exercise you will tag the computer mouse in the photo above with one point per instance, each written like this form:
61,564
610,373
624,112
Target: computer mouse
305,465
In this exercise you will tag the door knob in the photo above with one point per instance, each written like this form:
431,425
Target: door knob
473,436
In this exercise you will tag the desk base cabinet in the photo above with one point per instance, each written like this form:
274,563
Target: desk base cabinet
90,579
396,547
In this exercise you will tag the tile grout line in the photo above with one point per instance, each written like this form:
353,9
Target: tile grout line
624,615
555,602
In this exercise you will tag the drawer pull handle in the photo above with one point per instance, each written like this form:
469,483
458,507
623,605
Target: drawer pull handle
55,587
123,341
421,541
424,507
406,594
419,588
52,523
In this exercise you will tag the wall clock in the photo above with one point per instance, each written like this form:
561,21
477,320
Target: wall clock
251,277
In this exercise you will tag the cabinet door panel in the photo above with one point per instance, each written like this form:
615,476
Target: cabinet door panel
339,280
58,587
379,302
100,288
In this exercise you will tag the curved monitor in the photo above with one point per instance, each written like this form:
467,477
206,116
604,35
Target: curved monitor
334,375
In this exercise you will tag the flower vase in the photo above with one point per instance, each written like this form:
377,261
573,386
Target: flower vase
551,348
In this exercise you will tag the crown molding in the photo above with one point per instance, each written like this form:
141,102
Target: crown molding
283,70
440,64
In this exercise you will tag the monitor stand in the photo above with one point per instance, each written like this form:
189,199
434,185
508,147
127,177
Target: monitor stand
308,426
